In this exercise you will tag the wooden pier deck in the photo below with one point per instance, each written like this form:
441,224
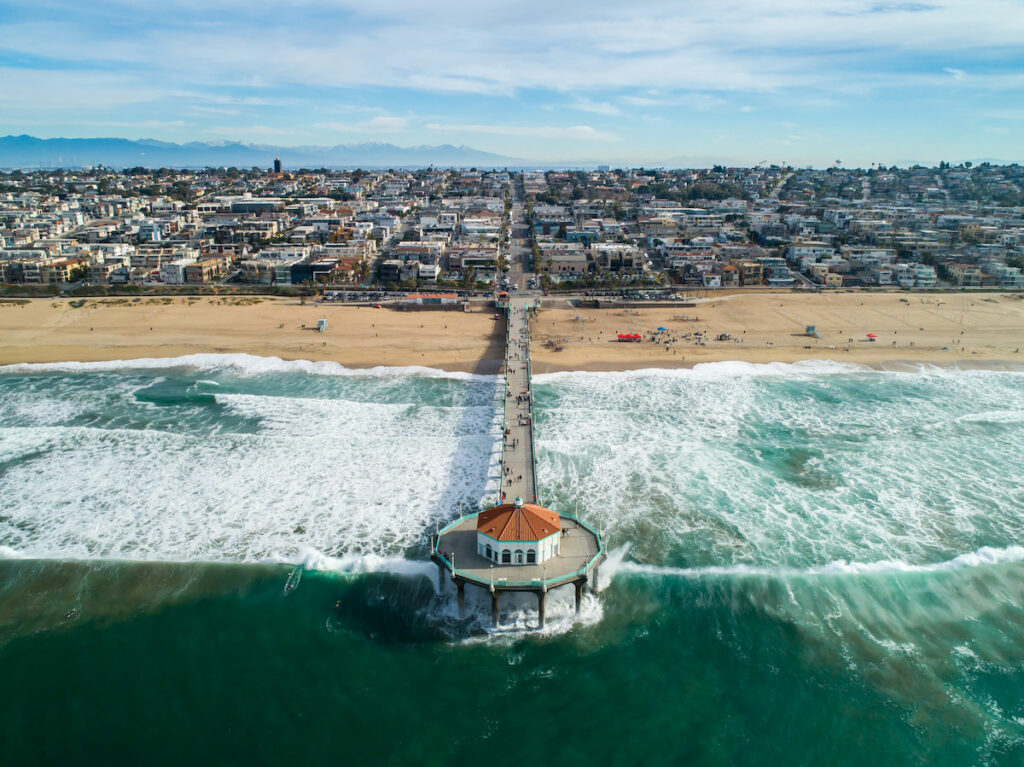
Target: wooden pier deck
517,459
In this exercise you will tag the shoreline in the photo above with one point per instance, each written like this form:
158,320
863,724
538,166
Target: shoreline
882,366
494,368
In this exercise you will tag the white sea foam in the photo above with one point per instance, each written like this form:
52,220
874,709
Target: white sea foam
337,476
993,416
353,564
243,364
781,471
797,369
519,614
614,562
710,370
985,556
787,470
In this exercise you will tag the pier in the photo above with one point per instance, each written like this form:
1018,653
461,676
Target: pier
518,545
518,479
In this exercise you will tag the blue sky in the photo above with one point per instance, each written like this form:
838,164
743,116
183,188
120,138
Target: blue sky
643,82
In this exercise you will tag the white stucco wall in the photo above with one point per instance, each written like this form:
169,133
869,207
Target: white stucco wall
546,548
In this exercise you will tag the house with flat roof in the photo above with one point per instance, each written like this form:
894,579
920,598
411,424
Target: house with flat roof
964,275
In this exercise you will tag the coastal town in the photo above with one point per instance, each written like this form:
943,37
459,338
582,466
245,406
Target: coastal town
631,383
451,232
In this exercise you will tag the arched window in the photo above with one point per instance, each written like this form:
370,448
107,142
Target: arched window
531,557
490,552
506,557
519,556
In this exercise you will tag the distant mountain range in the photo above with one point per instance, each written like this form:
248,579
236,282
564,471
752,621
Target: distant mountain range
31,152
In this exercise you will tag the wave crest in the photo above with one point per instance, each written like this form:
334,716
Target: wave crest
983,557
245,364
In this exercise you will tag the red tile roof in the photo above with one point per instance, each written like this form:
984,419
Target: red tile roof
507,523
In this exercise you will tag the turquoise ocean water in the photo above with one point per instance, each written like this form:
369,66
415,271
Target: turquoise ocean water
223,560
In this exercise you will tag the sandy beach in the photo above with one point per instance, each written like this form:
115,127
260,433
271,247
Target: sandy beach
47,330
770,327
763,327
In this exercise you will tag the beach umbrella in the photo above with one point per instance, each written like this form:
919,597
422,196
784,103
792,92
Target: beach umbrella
662,330
872,335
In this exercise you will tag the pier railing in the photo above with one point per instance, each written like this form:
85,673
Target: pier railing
504,408
504,582
529,421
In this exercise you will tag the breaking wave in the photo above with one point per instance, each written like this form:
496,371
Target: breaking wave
729,467
243,364
710,370
983,557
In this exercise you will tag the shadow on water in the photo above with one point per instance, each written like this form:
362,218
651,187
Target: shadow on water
398,608
389,609
56,597
455,493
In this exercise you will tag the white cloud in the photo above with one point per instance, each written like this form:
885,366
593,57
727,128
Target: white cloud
574,132
699,101
252,132
82,92
650,60
645,101
595,107
213,110
378,124
574,46
138,124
